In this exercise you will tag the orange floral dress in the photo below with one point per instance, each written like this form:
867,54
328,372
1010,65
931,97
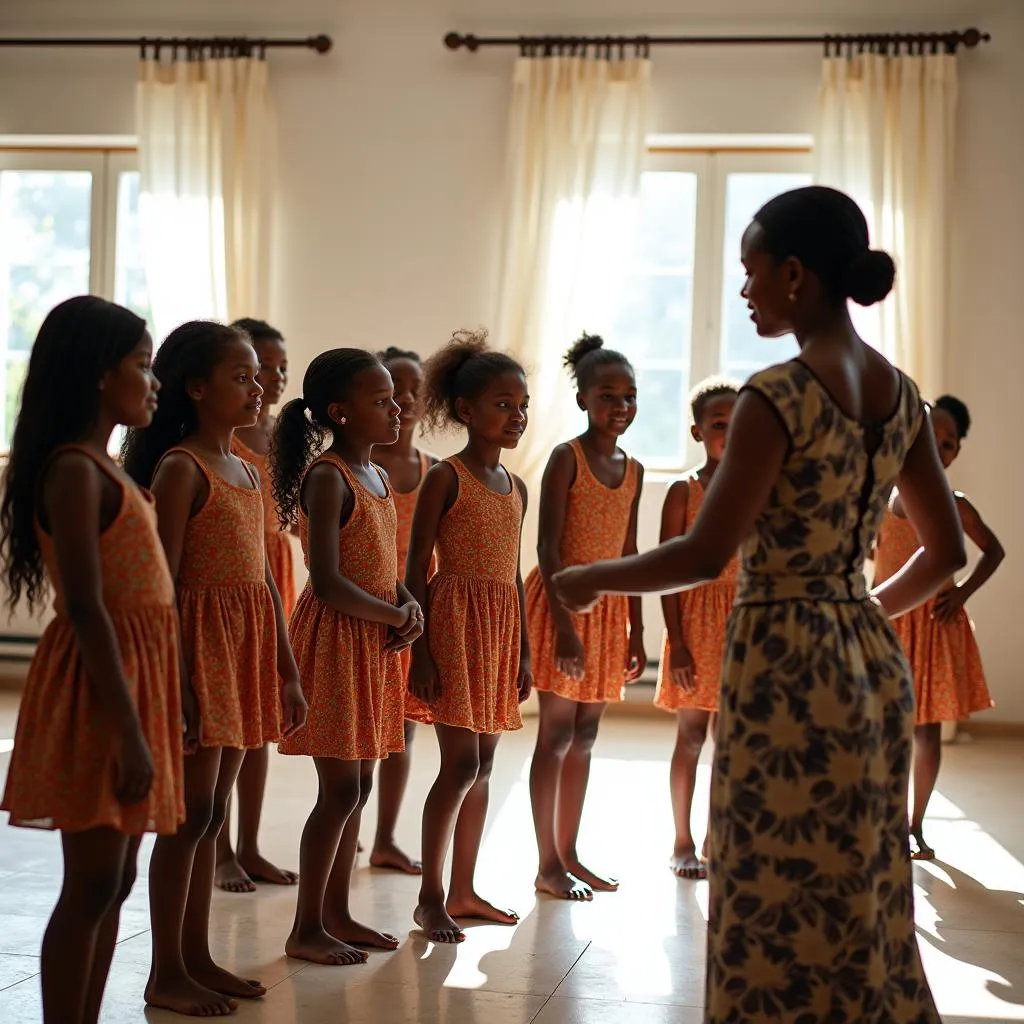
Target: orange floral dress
705,614
352,685
949,681
277,541
473,623
596,523
63,770
228,627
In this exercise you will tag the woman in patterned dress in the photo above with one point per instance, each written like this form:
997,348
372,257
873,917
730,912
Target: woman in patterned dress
811,910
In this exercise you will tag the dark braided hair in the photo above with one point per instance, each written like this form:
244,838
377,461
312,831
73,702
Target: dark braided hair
80,341
189,353
462,369
708,390
586,355
958,411
392,352
304,424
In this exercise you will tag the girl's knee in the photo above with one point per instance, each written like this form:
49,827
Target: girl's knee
198,818
218,814
585,736
461,769
556,739
341,796
365,786
128,876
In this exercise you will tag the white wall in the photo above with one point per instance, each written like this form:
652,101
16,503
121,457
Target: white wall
390,174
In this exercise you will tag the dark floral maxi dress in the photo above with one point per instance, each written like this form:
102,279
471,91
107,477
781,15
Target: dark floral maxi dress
811,909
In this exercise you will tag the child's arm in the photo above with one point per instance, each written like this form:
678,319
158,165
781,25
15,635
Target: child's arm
950,601
673,524
438,493
399,641
559,475
637,656
525,677
293,701
72,498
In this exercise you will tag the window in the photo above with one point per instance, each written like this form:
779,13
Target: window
69,224
678,312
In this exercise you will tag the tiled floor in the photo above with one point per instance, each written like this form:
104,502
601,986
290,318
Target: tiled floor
636,957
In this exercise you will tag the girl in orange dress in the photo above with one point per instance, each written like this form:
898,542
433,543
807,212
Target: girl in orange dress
234,642
690,672
406,467
97,750
349,622
588,511
251,444
939,636
471,670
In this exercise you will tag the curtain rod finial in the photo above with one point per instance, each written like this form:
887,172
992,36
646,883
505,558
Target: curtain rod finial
321,43
453,41
972,37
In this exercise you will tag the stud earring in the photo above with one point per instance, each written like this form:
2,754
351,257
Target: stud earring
792,296
343,420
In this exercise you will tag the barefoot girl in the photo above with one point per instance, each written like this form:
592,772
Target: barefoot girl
235,646
97,751
406,467
472,666
238,873
349,620
939,636
588,511
690,672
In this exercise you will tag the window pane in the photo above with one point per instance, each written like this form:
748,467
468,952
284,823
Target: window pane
130,288
654,317
44,258
658,434
742,351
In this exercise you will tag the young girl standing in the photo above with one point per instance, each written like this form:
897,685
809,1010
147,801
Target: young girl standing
233,634
689,676
938,636
349,620
251,444
406,467
588,511
97,751
472,666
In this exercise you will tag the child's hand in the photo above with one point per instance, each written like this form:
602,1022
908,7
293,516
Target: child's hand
424,682
191,722
293,707
573,589
134,767
947,604
411,619
524,680
570,658
636,657
680,667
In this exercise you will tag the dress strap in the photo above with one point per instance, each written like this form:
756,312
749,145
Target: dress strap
203,467
105,465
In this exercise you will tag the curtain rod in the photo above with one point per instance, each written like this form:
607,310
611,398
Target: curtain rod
320,44
969,38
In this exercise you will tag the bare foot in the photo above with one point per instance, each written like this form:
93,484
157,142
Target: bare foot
476,908
437,923
686,864
563,886
390,857
322,948
188,998
232,878
919,849
217,979
599,883
356,934
259,869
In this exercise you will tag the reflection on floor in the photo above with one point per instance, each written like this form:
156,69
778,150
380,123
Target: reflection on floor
636,957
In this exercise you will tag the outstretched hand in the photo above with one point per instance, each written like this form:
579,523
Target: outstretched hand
574,590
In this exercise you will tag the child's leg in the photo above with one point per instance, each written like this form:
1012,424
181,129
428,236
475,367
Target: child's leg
195,935
692,732
337,916
394,776
252,785
106,938
572,791
93,865
337,797
463,900
460,766
170,873
554,737
927,758
229,875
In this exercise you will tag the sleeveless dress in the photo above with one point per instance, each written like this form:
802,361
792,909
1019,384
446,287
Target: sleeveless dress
949,680
228,627
62,770
596,523
811,914
473,623
705,613
276,540
352,685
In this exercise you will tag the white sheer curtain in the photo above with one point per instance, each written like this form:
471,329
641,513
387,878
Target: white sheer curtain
576,142
886,136
206,161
